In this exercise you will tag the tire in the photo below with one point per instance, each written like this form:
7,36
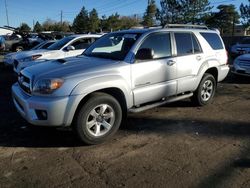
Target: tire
205,91
98,119
19,49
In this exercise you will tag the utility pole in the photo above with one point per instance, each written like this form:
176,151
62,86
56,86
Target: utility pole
6,9
61,16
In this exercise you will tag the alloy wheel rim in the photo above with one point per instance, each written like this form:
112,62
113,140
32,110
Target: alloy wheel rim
207,90
100,120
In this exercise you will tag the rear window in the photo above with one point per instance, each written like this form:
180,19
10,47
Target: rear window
213,40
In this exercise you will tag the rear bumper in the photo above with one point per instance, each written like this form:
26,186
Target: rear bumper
223,71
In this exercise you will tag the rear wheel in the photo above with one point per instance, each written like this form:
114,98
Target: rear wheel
205,91
98,119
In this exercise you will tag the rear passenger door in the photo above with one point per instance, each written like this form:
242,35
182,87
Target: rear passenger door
189,57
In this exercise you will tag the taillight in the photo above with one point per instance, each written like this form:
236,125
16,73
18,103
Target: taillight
227,60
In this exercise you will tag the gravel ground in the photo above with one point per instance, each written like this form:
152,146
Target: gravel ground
177,145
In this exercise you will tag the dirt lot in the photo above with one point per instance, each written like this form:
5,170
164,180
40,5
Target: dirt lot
177,145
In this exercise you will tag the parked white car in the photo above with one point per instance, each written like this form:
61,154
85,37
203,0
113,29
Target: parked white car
241,65
10,57
67,47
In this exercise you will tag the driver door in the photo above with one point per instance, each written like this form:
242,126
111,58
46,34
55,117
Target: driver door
154,79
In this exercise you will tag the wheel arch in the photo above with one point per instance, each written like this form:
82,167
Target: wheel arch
113,91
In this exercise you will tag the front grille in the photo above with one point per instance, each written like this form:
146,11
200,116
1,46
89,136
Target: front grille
244,63
24,83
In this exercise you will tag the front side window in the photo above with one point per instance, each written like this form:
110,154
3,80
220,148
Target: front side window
112,46
159,43
82,43
59,44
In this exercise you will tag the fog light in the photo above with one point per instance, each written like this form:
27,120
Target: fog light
41,114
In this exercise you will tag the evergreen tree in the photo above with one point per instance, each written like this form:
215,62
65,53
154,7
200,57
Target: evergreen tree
225,19
24,28
113,22
169,12
194,11
38,27
150,14
94,21
245,14
81,22
183,11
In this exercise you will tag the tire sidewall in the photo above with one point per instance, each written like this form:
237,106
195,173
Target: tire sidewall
94,101
204,79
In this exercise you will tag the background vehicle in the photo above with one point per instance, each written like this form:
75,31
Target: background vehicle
132,70
241,47
241,65
2,43
10,57
67,47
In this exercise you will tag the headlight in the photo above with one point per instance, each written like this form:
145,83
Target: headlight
31,58
47,86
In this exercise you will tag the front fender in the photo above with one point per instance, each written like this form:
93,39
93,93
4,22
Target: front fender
103,82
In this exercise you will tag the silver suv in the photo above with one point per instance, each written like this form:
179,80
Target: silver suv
125,71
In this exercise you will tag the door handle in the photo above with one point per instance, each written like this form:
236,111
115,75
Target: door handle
198,58
171,62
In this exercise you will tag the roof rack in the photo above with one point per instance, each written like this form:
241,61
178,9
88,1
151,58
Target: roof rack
190,26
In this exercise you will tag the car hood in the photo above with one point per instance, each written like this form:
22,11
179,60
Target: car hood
244,57
25,54
70,67
242,46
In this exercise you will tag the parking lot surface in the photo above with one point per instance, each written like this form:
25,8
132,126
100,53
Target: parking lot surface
177,145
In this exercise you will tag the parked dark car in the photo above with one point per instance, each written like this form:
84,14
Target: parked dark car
242,47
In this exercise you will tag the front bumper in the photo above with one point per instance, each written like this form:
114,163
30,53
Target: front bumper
59,110
242,72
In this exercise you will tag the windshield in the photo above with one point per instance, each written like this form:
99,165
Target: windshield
59,44
37,46
113,46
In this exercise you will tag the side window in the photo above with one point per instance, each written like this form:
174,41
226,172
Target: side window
213,40
196,45
160,43
183,43
82,43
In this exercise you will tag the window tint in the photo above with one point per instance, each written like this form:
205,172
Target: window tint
160,43
213,40
196,45
183,43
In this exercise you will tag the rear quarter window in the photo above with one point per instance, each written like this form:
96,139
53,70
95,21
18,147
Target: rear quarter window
213,40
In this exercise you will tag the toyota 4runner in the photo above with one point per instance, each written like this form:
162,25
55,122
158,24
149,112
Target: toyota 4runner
125,71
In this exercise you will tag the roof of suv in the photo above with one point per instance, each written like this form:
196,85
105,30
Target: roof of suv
166,29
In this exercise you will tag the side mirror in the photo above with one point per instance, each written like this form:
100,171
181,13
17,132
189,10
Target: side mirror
144,54
70,48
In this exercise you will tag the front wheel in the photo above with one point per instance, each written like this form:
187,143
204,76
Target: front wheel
205,91
98,119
